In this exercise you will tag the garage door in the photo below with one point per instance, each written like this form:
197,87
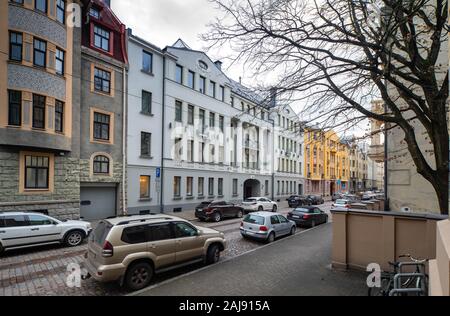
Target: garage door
98,203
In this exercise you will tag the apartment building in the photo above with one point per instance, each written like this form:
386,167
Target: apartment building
102,63
39,113
327,163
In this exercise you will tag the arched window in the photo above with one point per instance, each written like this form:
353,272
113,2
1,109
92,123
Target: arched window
101,165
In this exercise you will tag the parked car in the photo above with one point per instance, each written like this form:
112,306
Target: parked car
316,199
336,196
342,204
259,204
266,226
218,210
308,216
23,229
298,200
132,250
350,197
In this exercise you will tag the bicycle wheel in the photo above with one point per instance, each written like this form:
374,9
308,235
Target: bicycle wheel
383,290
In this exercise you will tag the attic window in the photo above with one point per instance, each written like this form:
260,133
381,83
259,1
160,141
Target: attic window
94,13
203,65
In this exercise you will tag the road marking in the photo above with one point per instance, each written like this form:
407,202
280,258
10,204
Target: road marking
221,262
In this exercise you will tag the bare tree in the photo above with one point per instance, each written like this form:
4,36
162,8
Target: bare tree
339,55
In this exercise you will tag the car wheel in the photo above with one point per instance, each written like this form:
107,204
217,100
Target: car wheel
74,238
260,209
217,217
240,214
201,219
313,224
275,208
271,238
138,276
213,255
293,230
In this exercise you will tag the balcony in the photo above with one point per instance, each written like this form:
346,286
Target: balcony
35,139
376,153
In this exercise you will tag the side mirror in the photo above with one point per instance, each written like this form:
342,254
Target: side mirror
199,232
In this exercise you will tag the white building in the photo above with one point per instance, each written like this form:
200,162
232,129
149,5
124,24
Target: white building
218,139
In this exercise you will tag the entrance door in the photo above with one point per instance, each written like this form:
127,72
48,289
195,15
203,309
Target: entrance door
300,189
98,203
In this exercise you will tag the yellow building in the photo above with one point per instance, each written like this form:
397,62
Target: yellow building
327,166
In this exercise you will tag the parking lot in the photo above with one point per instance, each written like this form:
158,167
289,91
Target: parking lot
43,270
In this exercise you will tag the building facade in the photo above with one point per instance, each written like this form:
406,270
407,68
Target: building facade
39,114
103,89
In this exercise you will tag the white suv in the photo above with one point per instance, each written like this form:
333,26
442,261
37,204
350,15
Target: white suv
259,204
22,230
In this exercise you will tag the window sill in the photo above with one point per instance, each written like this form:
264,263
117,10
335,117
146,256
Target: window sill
177,198
235,195
146,157
147,114
149,73
105,94
146,200
220,196
189,198
200,197
211,197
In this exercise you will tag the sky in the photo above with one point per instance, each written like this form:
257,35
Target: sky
162,22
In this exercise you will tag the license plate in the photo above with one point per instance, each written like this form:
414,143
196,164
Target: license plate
295,216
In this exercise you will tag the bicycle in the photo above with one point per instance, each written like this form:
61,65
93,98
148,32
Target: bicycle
398,282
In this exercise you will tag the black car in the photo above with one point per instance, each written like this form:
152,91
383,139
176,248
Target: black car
316,199
308,216
218,210
298,200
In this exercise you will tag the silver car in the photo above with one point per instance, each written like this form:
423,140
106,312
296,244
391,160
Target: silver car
266,226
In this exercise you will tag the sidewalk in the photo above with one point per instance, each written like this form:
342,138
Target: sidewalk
295,266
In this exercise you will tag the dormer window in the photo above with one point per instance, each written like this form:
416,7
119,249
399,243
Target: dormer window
101,38
95,13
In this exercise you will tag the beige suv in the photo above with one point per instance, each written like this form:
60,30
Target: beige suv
132,249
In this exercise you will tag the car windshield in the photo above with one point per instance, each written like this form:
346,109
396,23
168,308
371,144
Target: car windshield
101,232
303,210
250,200
254,219
341,202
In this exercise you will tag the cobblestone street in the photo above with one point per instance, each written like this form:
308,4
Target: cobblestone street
42,271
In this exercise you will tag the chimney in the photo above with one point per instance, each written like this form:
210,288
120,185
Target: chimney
218,64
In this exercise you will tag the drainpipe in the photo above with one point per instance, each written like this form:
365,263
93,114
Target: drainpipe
124,140
386,196
161,201
273,159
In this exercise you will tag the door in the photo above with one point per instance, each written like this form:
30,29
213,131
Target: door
43,229
98,203
162,244
224,209
15,231
285,225
267,205
277,227
189,245
318,218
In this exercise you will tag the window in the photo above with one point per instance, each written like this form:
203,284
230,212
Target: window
184,230
179,74
212,89
201,154
15,46
37,172
212,153
101,165
190,151
178,149
232,101
178,111
39,220
15,221
59,65
176,186
211,186
94,13
144,192
101,38
202,84
189,185
38,111
61,11
135,235
160,232
222,123
146,103
266,186
101,126
220,187
41,5
202,119
17,1
40,53
201,186
191,79
102,80
146,144
212,120
147,62
222,93
14,108
190,115
59,116
235,187
221,154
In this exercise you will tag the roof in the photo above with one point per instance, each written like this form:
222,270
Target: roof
123,220
248,93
